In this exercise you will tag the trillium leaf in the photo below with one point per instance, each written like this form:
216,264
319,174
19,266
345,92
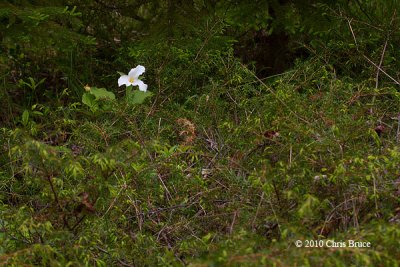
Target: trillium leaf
137,97
90,101
101,93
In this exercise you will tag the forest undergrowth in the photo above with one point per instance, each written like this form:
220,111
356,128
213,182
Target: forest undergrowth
214,165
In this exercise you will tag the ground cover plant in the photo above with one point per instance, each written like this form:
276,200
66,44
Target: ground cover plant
199,133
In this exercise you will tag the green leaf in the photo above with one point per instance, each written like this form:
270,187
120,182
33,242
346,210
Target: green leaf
101,93
90,101
309,206
136,97
25,117
37,113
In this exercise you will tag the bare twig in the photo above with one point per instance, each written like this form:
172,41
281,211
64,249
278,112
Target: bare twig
276,217
384,50
352,33
114,200
233,222
398,129
123,263
258,208
380,63
139,216
164,186
78,222
369,60
333,211
49,179
276,96
158,210
384,72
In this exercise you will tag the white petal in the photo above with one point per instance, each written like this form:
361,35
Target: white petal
136,72
124,79
142,85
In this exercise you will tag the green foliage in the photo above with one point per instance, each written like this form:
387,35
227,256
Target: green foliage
134,97
40,43
96,99
213,165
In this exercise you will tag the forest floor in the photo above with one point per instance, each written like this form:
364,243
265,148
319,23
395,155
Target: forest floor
301,169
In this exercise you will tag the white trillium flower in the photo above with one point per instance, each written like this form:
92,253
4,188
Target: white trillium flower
133,78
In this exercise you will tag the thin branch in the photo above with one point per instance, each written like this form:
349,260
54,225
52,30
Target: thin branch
363,11
158,210
49,178
168,194
280,100
78,222
369,60
384,72
380,63
258,209
122,262
114,200
398,129
352,33
233,222
384,50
